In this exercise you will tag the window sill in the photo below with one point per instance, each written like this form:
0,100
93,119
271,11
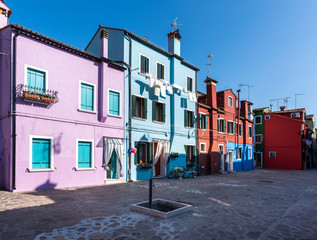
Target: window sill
86,111
138,118
41,170
144,74
159,122
85,169
116,116
189,127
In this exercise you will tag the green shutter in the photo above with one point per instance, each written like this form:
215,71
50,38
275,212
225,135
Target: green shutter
136,155
218,125
143,65
225,125
193,119
206,123
133,106
234,128
150,152
199,125
147,65
194,155
153,111
144,108
185,118
163,112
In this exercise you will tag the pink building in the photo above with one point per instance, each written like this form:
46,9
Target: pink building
61,112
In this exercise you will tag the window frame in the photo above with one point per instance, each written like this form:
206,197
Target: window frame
225,122
193,120
250,131
144,99
92,155
272,152
116,91
163,112
229,97
193,154
192,84
94,98
52,168
202,143
233,127
239,153
250,153
26,66
163,70
206,122
267,117
240,124
258,135
257,116
140,66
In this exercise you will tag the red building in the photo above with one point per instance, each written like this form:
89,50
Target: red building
285,139
224,142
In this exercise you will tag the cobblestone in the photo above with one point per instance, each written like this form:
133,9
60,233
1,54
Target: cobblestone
261,204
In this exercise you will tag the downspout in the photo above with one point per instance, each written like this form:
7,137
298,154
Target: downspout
13,113
196,113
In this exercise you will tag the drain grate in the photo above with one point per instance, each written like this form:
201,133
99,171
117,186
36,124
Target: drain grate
266,181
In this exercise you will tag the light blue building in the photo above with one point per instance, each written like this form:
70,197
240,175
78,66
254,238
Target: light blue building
160,102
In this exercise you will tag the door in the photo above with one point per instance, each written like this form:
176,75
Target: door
258,159
230,161
222,164
158,163
112,167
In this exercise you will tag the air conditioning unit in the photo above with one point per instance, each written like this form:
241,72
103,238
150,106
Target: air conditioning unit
267,117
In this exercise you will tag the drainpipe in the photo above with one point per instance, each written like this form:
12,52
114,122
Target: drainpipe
239,90
13,113
196,112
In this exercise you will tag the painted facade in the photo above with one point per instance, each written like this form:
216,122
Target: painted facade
228,134
160,92
310,121
259,136
57,117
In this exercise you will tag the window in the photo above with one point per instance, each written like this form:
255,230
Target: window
144,153
139,107
258,119
158,111
267,117
145,63
203,123
221,125
41,153
190,155
240,129
239,153
189,84
114,103
36,80
272,154
250,153
258,138
87,96
189,118
85,154
250,134
202,147
230,101
231,127
159,71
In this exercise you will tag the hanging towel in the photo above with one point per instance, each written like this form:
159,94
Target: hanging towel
194,97
152,82
157,91
169,89
191,97
163,90
177,87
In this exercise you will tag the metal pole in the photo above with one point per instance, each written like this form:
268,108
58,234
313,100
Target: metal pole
150,192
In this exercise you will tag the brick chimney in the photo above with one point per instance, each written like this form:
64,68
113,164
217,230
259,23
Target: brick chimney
282,108
174,42
211,92
104,43
244,109
5,13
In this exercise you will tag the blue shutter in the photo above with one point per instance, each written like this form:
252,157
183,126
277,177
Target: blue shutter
114,103
87,97
36,80
84,155
41,153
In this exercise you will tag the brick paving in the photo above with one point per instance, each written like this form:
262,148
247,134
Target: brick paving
260,204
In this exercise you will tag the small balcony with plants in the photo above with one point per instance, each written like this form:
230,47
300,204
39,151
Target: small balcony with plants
36,95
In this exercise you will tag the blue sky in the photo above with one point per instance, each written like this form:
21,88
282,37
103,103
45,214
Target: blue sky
270,44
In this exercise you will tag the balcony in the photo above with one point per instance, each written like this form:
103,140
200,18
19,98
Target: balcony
36,95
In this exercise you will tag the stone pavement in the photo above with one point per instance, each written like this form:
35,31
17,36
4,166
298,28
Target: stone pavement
260,204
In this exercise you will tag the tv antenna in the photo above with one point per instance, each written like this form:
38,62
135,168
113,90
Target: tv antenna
271,105
210,57
246,85
286,101
175,24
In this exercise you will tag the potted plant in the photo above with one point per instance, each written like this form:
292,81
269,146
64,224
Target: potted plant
31,95
179,172
47,98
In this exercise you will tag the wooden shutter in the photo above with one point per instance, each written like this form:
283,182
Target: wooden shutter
143,68
163,112
193,119
147,65
185,119
199,121
150,152
154,111
136,155
144,108
225,125
133,106
206,123
218,125
194,155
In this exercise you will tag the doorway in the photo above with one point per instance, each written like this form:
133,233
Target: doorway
222,161
258,160
157,165
230,161
112,166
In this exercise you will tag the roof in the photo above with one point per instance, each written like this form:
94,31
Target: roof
260,109
226,91
310,116
63,46
9,10
147,43
209,107
291,110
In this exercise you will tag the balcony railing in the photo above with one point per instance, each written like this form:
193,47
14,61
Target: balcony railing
37,95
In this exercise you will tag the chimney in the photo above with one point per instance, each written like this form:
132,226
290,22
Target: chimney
5,13
244,109
104,43
282,108
211,92
174,43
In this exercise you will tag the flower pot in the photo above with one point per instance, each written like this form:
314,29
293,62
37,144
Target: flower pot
47,99
31,96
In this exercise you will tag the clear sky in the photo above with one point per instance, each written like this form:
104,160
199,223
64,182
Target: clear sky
270,44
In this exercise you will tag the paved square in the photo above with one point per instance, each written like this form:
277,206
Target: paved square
260,204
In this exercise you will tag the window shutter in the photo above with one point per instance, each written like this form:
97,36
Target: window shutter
163,112
133,106
193,119
136,155
145,108
185,118
206,122
153,111
147,65
234,128
150,152
225,125
142,64
218,125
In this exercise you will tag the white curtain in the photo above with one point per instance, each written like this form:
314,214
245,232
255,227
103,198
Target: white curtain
112,144
158,152
165,156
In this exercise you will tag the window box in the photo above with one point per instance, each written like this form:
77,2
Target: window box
30,95
48,99
142,165
36,95
174,155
